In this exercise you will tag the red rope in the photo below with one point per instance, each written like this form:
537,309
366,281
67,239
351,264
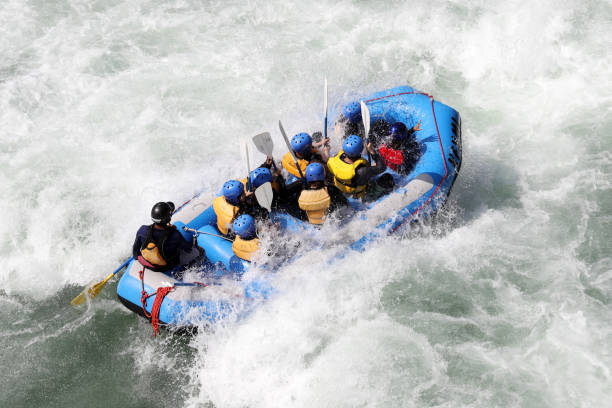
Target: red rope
160,294
144,295
159,298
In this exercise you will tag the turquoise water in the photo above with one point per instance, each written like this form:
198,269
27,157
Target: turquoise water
505,300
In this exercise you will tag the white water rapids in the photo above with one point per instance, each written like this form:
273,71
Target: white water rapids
109,106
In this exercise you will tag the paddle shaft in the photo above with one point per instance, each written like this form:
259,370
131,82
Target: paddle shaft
325,110
297,164
245,146
123,265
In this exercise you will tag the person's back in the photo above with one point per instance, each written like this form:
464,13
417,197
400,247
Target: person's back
314,200
351,172
245,242
157,246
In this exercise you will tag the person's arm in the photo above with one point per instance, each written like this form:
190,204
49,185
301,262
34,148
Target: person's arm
184,244
137,244
136,247
324,152
268,163
293,188
366,173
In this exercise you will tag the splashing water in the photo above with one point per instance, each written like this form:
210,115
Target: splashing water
504,300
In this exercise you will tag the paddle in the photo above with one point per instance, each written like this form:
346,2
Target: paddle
265,195
245,152
93,291
263,142
325,110
365,118
282,130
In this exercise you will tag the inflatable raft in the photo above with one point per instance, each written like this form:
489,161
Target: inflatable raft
225,286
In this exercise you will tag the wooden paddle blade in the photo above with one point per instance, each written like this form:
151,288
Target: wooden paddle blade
79,299
263,142
265,195
90,291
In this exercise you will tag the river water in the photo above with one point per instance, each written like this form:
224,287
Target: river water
108,106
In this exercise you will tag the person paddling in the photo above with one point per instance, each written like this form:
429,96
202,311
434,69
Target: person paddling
158,246
305,151
352,173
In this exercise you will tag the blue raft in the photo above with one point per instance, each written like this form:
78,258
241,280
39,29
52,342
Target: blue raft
233,294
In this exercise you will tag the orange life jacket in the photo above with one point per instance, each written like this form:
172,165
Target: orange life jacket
225,214
315,203
244,248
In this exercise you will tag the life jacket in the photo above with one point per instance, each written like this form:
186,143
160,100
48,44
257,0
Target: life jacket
244,248
392,157
315,203
225,213
289,165
152,250
345,172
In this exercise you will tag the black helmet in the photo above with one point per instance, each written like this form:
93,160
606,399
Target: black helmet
162,212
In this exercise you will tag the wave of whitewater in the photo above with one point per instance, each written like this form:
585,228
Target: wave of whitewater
109,106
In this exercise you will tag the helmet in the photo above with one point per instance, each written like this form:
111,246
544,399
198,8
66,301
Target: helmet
352,112
315,172
244,226
232,190
260,176
301,143
398,131
353,145
162,212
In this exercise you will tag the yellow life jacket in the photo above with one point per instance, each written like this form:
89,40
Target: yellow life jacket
344,173
152,250
244,248
289,165
225,214
315,203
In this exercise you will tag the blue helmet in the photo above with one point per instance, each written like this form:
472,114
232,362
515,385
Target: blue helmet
315,172
301,143
398,131
232,190
353,145
260,176
244,226
352,112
